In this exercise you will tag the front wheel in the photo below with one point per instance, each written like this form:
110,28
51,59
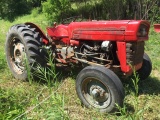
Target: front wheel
99,88
146,68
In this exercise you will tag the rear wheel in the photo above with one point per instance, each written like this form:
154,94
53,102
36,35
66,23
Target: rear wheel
146,68
99,88
23,45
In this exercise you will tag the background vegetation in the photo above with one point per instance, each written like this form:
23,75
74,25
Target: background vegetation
57,10
56,99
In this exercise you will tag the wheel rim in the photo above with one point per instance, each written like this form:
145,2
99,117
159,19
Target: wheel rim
96,93
17,54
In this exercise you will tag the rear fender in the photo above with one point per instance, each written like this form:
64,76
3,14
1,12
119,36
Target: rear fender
44,38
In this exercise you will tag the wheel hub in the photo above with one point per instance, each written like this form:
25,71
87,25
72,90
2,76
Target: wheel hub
19,56
19,53
95,93
98,93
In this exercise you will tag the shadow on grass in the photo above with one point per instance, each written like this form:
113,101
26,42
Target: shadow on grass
69,71
62,72
149,86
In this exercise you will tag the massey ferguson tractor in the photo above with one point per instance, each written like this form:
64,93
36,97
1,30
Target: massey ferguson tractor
106,50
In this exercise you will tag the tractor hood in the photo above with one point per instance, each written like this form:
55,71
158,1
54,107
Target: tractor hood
121,30
109,30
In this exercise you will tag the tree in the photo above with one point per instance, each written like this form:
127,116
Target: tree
10,9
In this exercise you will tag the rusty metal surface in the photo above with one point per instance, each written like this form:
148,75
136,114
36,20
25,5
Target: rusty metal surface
134,52
88,55
91,63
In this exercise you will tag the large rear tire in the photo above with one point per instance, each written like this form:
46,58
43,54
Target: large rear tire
146,68
99,88
23,44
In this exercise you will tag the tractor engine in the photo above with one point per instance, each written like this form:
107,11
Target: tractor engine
93,53
96,53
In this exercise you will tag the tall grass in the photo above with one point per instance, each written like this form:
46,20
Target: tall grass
57,110
137,112
47,73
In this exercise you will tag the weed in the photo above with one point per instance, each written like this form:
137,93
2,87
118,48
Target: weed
57,111
137,112
10,106
28,68
48,73
2,63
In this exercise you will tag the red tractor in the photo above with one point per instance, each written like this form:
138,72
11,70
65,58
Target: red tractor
105,48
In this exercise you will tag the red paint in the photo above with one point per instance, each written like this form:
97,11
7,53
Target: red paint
121,53
74,42
60,31
45,41
120,31
157,28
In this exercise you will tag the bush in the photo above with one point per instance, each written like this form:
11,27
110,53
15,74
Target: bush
36,11
56,10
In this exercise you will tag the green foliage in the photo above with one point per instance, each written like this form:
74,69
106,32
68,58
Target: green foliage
137,113
154,14
11,105
152,47
55,10
10,9
36,11
56,112
2,62
47,74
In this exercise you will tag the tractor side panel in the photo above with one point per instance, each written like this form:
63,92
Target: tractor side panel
98,34
121,30
98,30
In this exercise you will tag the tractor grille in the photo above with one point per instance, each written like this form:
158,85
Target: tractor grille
134,52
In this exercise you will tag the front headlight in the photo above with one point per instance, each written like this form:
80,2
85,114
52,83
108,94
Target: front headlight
143,31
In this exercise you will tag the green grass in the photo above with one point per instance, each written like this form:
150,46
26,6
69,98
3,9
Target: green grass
18,97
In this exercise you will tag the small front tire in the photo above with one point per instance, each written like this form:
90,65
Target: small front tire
99,88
